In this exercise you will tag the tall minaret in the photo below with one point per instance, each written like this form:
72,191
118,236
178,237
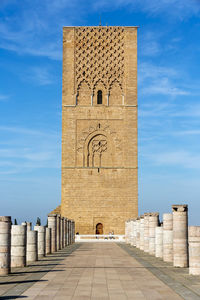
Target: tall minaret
99,128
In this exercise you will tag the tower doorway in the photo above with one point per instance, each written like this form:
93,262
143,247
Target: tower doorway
99,228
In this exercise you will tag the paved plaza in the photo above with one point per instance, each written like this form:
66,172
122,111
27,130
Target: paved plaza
100,271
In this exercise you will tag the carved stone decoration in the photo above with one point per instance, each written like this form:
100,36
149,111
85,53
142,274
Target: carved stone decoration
98,144
99,55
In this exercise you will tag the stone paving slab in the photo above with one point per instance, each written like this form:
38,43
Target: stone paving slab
100,271
187,286
12,286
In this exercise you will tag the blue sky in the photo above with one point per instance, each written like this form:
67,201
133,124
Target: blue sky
30,100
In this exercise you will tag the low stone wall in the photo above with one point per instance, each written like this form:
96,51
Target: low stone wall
173,241
20,245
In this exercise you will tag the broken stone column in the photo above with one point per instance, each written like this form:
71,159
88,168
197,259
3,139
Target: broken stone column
32,246
73,231
168,237
48,241
52,223
5,245
18,246
132,232
180,235
194,250
58,233
146,232
128,231
41,240
68,232
138,232
153,223
64,232
159,241
29,226
141,232
61,232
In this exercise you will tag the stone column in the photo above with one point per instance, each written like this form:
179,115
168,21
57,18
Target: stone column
131,231
146,232
73,231
66,232
41,240
142,233
180,235
5,245
29,226
58,233
194,250
61,232
48,241
168,237
52,223
32,246
138,232
126,225
159,242
18,246
70,233
127,238
153,223
134,232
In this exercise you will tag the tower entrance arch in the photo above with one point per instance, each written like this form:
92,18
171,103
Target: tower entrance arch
99,228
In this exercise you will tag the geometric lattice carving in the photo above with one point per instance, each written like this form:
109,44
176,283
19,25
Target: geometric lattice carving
99,56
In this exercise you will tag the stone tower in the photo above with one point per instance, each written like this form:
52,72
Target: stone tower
99,128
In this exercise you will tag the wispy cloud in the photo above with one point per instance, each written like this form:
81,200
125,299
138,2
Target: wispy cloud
160,80
26,131
36,28
180,158
180,8
40,75
4,97
164,87
28,150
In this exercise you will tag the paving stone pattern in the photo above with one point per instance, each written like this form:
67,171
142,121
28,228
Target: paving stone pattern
12,286
100,271
185,285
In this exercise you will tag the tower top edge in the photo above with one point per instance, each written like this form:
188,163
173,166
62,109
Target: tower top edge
106,26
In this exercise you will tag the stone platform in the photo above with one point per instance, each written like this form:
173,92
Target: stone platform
100,271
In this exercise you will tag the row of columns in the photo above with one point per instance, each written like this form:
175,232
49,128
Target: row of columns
20,245
172,240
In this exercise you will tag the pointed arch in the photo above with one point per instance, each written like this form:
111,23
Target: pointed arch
84,93
99,89
115,93
98,150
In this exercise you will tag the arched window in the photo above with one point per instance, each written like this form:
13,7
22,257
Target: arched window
99,97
